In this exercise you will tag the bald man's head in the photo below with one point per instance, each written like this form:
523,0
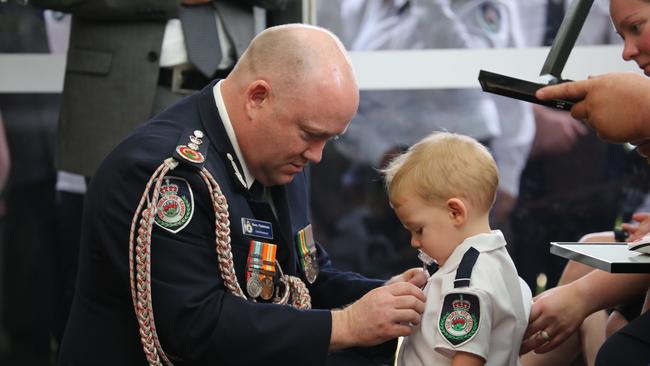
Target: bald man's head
292,91
294,54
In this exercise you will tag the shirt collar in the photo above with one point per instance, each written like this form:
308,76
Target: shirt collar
482,242
230,131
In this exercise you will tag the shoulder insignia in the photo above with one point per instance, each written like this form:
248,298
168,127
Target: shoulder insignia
459,318
490,17
175,206
191,150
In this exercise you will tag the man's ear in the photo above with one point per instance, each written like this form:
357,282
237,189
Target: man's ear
257,94
457,211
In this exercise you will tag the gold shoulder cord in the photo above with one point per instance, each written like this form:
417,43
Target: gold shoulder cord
294,292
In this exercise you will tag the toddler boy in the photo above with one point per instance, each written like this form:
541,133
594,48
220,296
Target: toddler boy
477,307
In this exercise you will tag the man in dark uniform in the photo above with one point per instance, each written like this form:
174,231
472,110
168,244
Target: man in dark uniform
255,131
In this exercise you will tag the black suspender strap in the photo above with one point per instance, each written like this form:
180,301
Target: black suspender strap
464,272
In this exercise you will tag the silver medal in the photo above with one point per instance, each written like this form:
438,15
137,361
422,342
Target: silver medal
254,286
311,268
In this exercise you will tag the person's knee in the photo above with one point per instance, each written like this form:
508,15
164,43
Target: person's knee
615,322
599,237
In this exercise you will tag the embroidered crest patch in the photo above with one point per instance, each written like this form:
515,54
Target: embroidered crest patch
459,318
175,205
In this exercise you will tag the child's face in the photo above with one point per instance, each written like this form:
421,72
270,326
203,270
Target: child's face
431,226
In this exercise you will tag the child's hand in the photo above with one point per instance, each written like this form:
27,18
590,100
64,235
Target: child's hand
416,276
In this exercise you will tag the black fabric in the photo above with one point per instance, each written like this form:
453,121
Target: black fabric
464,272
629,346
191,79
257,191
69,207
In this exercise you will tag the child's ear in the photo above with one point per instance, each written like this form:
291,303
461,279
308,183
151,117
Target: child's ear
457,211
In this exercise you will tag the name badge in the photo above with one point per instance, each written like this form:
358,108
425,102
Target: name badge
257,228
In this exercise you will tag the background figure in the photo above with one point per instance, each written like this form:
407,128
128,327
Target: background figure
125,65
365,235
563,186
30,221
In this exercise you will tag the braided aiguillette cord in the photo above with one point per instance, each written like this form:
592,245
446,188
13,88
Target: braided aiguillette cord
141,280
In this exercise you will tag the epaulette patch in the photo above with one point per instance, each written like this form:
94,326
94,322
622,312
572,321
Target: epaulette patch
191,150
175,206
459,317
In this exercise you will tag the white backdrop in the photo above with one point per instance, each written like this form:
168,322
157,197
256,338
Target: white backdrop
377,70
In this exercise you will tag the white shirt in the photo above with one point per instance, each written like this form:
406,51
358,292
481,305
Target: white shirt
504,299
227,124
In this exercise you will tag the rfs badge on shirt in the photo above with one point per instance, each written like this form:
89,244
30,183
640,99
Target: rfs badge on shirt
459,318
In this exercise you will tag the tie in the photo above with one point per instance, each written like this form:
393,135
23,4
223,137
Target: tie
260,206
201,38
257,191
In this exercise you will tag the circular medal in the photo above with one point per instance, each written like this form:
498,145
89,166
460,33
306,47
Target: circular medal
268,288
254,286
311,268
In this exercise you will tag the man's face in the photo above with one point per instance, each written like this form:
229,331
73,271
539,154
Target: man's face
292,130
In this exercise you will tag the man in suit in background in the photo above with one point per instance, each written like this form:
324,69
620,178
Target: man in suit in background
128,59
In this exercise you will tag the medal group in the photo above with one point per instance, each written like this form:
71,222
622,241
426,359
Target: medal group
261,270
261,264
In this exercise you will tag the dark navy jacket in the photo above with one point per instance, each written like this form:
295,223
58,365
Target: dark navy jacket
198,321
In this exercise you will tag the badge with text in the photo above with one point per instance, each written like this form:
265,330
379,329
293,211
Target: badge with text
260,270
459,318
175,205
257,228
307,249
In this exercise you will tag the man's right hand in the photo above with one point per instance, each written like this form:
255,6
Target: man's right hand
382,314
615,105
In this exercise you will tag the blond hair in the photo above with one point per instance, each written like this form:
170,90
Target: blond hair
442,166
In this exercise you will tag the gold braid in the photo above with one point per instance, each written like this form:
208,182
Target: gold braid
295,291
